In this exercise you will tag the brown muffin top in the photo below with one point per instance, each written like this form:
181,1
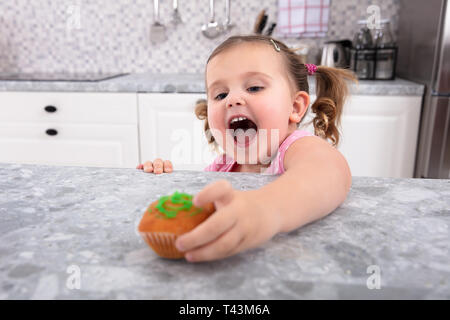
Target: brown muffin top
174,214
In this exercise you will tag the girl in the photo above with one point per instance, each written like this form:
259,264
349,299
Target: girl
257,95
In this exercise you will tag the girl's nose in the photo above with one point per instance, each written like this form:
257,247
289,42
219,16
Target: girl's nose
234,99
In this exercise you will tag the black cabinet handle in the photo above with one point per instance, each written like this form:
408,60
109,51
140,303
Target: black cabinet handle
50,109
51,132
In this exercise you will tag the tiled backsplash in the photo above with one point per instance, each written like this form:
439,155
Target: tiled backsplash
114,35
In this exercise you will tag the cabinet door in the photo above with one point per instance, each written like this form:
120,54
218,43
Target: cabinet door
379,134
94,129
170,130
96,145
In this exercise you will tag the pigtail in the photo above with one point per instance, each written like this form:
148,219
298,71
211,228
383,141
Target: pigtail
201,112
331,92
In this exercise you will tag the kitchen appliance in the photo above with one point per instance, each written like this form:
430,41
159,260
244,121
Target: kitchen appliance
58,76
334,54
424,57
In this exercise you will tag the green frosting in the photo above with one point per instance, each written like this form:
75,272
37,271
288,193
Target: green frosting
177,198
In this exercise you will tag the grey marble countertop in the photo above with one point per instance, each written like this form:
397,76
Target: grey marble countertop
63,224
191,83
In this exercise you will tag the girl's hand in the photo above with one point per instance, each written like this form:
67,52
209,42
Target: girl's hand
158,166
240,222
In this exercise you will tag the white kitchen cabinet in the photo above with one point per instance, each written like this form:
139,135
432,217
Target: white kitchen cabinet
170,130
79,129
379,134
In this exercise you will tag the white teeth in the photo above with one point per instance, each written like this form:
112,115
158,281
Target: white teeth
237,119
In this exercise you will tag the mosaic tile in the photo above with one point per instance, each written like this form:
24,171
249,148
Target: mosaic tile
114,36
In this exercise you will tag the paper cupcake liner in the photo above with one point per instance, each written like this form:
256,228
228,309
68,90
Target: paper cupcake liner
163,243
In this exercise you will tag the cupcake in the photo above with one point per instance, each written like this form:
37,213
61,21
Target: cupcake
167,218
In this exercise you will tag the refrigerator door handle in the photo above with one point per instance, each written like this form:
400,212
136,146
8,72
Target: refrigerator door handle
436,143
441,83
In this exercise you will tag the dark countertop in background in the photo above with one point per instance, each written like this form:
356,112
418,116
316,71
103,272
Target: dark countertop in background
191,83
54,218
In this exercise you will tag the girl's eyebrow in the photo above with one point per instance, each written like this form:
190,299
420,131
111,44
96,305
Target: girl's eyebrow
246,74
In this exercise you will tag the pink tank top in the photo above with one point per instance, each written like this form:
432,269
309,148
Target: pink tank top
224,163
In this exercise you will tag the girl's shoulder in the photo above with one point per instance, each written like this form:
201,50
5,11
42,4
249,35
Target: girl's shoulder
297,134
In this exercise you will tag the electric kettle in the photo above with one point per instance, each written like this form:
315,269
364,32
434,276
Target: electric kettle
335,54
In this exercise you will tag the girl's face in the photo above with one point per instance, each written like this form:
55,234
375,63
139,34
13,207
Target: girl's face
250,80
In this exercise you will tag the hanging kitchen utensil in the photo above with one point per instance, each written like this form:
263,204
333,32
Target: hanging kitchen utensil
176,18
227,25
158,30
211,29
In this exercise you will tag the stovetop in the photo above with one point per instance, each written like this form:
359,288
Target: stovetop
59,76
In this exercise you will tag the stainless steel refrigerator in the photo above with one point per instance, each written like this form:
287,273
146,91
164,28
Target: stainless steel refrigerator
424,57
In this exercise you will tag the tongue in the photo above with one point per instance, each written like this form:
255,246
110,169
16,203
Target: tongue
244,130
243,137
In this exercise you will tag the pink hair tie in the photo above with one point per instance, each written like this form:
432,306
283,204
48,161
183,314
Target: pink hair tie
311,68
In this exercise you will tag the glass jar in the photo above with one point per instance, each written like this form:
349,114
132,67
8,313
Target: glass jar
362,59
363,38
383,36
385,57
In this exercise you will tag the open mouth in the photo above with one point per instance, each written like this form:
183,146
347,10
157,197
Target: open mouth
242,130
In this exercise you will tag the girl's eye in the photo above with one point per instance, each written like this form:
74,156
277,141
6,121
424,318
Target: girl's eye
220,96
255,89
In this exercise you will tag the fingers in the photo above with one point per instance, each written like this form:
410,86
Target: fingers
226,245
219,192
148,166
167,166
207,231
157,166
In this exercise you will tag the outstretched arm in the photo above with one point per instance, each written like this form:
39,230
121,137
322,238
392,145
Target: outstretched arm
316,181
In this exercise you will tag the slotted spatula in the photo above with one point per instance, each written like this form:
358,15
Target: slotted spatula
158,30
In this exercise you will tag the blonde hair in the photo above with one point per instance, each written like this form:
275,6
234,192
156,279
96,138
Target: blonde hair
331,88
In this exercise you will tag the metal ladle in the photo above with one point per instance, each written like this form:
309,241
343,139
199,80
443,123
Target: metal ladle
211,29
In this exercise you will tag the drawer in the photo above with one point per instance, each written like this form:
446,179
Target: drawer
68,107
96,145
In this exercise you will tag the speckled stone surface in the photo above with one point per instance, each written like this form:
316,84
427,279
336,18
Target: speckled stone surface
191,83
55,219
